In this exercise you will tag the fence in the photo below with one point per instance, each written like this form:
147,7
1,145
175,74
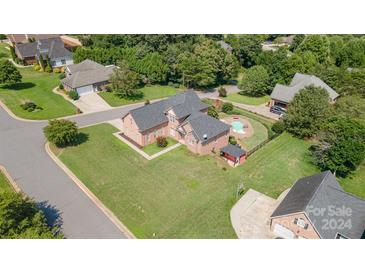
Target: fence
251,151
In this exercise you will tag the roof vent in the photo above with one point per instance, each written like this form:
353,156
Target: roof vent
205,136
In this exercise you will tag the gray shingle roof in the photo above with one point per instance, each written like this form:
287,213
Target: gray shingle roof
206,127
233,150
151,115
52,47
286,93
87,73
322,191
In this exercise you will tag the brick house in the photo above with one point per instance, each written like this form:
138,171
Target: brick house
316,207
282,95
182,117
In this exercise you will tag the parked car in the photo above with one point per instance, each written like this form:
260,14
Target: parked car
278,110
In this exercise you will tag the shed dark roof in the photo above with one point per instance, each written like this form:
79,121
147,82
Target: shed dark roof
322,191
233,150
205,127
300,81
151,115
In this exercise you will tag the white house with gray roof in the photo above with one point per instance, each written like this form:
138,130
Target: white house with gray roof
282,95
87,77
317,207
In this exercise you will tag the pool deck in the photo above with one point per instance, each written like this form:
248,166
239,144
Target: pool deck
248,129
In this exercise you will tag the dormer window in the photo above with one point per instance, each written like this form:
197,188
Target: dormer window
301,223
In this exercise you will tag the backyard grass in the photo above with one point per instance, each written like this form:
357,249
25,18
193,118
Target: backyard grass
36,87
4,184
153,148
149,93
248,100
179,194
355,183
4,52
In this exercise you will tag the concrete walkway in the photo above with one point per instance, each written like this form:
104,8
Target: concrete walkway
141,152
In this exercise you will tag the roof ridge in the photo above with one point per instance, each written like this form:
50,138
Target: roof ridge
316,191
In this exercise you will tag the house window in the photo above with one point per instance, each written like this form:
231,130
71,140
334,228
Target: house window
53,63
63,61
301,223
172,119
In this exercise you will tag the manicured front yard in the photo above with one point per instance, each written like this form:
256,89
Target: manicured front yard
248,100
36,87
4,184
355,183
179,194
149,93
153,148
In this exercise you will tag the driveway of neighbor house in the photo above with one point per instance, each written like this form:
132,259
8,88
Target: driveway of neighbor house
250,216
91,102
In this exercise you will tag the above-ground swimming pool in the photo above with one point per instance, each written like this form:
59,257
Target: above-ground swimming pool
237,127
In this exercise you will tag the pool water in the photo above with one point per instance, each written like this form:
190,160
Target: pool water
237,126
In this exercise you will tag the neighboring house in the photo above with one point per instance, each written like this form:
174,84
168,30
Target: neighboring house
283,95
317,207
227,47
87,76
24,38
52,48
182,117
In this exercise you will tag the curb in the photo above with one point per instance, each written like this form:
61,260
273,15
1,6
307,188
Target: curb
10,179
91,195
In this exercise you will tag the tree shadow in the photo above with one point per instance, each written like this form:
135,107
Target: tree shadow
20,86
80,139
53,215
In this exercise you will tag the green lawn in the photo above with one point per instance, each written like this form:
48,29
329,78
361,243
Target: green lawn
259,136
4,184
149,93
4,52
36,87
248,100
153,148
355,183
179,194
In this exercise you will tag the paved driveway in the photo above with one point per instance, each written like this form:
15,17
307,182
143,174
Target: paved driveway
23,154
250,216
91,102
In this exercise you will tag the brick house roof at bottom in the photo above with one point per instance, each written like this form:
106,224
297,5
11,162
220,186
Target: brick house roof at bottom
322,192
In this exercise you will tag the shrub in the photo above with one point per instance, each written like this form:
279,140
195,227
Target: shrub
63,69
73,95
232,140
222,92
60,86
61,76
227,107
108,89
48,69
213,112
161,141
56,70
30,106
61,132
147,102
37,67
278,127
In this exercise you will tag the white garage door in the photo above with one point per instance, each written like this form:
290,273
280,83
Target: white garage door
283,232
84,90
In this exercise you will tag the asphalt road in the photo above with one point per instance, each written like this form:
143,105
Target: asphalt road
23,154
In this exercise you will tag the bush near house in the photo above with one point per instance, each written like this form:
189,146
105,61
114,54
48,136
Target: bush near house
73,95
278,127
227,107
61,132
48,69
60,86
222,92
161,141
232,140
61,76
56,70
212,111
